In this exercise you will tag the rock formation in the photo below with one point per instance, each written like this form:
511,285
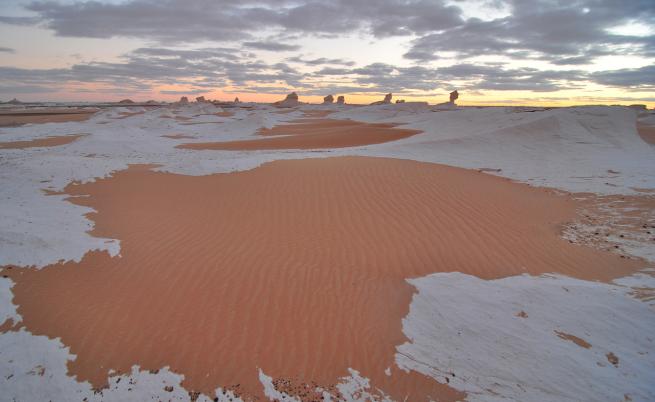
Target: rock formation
126,102
236,100
184,100
386,101
400,101
451,103
290,101
341,100
201,99
15,102
328,100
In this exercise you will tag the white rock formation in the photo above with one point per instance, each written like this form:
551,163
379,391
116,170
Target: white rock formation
328,100
341,100
290,101
451,103
385,101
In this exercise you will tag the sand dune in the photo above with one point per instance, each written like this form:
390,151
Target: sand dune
296,267
314,133
41,142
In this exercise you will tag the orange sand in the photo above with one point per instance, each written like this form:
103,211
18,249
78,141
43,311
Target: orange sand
17,118
296,267
178,136
578,341
314,134
647,133
224,114
125,115
42,142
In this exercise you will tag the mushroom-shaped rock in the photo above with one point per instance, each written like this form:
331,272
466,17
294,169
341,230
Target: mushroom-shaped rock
451,103
201,99
290,101
341,100
328,100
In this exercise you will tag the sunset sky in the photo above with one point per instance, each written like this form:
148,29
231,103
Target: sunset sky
551,52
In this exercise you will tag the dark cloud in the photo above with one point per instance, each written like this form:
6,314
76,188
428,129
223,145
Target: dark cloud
565,32
570,61
641,78
271,46
381,77
7,50
198,54
206,69
25,89
24,21
184,92
320,61
183,21
145,68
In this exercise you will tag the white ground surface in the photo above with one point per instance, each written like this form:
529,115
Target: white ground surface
457,324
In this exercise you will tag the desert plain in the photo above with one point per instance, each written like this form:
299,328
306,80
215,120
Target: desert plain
247,251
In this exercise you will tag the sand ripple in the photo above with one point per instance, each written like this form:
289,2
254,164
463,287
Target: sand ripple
296,267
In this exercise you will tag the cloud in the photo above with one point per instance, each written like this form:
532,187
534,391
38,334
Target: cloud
569,32
640,78
271,46
25,89
334,71
320,61
146,68
184,92
203,70
176,21
7,50
21,21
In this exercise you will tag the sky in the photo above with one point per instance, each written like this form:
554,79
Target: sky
494,52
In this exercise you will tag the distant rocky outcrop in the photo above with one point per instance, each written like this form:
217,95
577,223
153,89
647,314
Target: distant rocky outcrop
385,101
15,102
201,99
184,100
126,102
236,100
638,107
400,101
290,101
328,100
152,102
341,100
451,103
